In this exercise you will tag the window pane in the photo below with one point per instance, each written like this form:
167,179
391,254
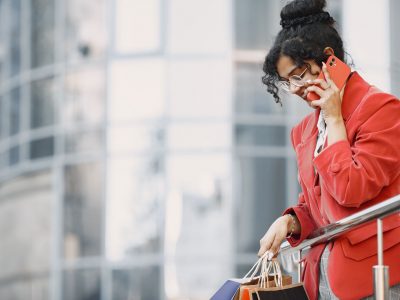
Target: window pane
198,26
184,136
85,29
140,138
42,32
85,141
147,98
139,283
81,285
260,191
255,135
256,24
26,235
197,92
142,20
14,155
251,94
4,117
197,212
3,159
196,207
15,112
42,148
3,37
84,95
83,210
43,97
32,286
134,202
15,32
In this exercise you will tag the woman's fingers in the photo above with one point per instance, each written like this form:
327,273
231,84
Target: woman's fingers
317,103
265,244
315,89
328,79
321,82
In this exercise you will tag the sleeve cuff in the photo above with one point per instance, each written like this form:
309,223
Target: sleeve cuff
306,224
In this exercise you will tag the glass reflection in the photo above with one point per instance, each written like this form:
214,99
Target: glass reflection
42,32
195,92
142,20
84,141
196,211
15,113
260,135
82,210
34,287
261,198
15,33
254,22
41,148
195,136
13,155
81,285
135,191
144,101
4,117
43,98
136,284
251,96
84,95
85,29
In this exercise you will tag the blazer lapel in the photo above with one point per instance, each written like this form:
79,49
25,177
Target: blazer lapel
305,151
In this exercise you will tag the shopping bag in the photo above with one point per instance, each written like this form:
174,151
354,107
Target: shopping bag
230,289
277,289
244,289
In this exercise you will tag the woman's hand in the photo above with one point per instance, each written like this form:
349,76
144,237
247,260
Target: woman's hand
331,97
275,235
331,106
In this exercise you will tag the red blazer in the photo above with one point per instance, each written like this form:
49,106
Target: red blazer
346,177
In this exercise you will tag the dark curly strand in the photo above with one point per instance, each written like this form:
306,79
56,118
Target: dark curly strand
306,31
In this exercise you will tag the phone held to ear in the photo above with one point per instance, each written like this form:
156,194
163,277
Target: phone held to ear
338,71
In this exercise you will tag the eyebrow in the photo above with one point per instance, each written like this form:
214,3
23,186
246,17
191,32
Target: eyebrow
288,75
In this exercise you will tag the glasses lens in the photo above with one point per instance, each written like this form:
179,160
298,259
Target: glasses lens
296,80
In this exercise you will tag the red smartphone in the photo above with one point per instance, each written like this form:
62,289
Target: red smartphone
338,71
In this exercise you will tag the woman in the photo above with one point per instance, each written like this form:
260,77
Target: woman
348,154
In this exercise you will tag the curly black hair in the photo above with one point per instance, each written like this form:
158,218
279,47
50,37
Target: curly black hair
306,31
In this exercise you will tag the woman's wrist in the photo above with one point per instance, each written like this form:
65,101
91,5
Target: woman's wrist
291,225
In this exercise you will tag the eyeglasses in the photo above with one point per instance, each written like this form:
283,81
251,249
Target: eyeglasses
296,80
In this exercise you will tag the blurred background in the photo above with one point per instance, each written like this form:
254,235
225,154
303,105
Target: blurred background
140,156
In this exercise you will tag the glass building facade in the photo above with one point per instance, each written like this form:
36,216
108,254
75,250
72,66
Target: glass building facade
140,155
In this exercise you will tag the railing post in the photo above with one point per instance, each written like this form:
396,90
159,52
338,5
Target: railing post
300,266
380,272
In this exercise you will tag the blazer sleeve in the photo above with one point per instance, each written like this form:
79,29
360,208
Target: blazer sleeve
301,210
356,173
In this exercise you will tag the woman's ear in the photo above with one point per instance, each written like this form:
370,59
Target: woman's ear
329,51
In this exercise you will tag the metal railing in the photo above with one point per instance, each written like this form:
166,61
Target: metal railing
334,230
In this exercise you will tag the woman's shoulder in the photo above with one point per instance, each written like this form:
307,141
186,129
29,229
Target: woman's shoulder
376,101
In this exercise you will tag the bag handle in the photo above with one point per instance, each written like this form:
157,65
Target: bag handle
256,266
271,268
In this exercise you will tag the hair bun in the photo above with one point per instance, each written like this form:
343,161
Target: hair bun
323,17
302,12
